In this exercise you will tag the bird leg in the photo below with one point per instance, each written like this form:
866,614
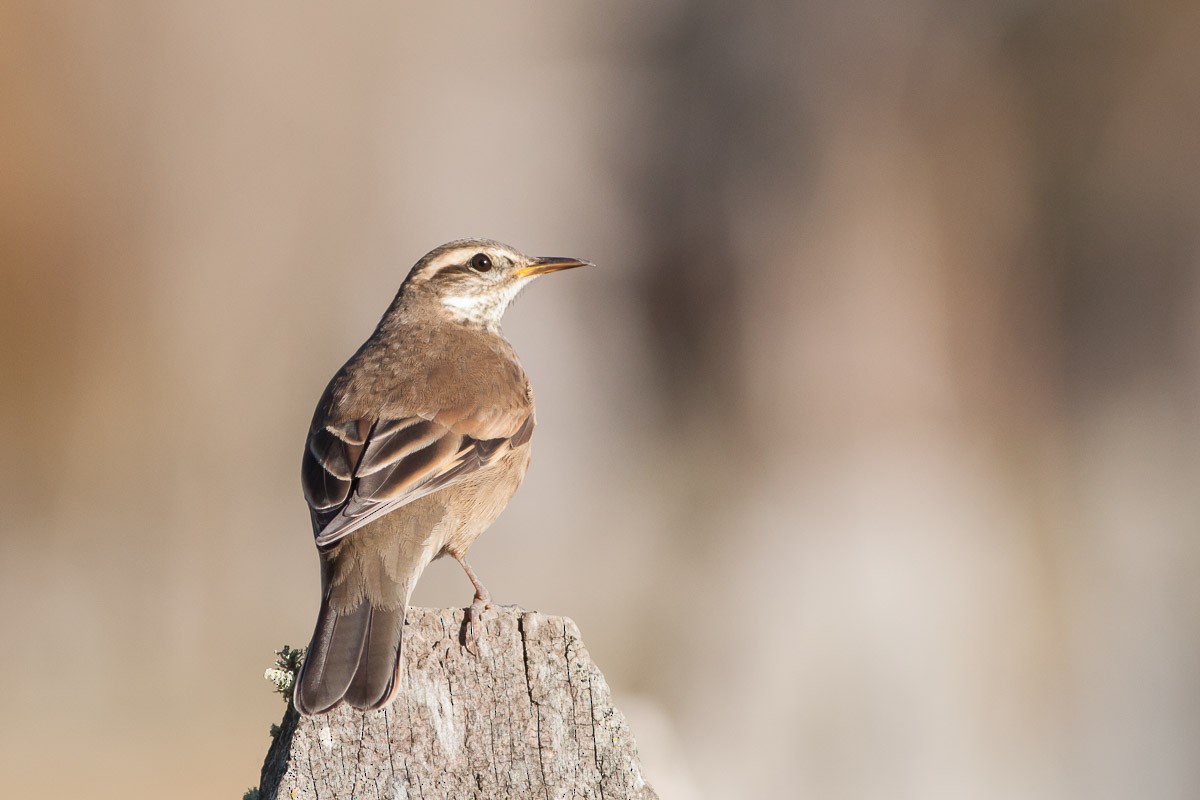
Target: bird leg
474,614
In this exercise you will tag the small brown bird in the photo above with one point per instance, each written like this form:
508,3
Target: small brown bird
416,446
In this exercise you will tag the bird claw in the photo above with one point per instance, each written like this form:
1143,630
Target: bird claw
473,624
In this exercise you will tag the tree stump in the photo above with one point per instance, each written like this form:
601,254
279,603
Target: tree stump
528,716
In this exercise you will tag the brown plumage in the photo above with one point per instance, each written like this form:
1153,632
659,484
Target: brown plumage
416,446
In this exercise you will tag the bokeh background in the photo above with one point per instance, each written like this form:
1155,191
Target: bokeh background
867,461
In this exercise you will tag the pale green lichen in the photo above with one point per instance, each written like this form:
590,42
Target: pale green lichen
283,674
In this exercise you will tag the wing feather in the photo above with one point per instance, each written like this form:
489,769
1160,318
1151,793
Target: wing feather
394,441
357,471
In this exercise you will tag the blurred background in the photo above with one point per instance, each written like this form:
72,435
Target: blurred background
866,461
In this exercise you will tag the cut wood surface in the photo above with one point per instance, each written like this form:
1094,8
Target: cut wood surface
528,716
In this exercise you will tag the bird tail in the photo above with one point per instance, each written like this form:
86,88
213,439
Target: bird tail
354,656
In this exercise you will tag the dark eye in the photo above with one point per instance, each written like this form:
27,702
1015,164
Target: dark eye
481,262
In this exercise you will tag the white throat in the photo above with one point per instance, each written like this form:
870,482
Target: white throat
485,308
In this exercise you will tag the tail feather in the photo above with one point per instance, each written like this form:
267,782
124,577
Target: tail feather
332,658
354,656
366,580
377,678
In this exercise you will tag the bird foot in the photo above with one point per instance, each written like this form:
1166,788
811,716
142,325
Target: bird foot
473,623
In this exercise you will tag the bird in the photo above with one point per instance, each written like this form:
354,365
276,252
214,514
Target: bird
416,445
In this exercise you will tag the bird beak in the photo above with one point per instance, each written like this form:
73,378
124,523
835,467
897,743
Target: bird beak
543,266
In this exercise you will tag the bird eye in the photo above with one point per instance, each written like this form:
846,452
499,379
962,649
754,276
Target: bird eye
481,262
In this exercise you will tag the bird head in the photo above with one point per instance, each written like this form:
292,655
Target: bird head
474,280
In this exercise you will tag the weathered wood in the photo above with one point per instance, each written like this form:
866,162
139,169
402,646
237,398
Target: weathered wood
529,716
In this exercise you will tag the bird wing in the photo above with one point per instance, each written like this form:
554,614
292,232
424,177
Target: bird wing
355,472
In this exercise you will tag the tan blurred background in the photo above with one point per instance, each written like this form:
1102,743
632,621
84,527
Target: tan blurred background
867,462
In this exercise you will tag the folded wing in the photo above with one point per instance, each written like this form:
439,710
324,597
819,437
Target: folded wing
355,472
